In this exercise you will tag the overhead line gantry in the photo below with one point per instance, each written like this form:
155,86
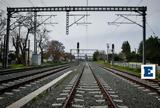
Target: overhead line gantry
11,10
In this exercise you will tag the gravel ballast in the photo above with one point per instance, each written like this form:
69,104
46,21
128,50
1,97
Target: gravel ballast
133,95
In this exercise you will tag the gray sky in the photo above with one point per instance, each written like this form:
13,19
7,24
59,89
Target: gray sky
97,34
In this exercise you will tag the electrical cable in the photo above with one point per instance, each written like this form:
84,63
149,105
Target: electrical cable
31,3
139,2
150,28
42,2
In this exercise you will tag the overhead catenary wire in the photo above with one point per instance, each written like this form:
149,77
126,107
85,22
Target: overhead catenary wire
5,4
150,28
139,2
30,1
43,3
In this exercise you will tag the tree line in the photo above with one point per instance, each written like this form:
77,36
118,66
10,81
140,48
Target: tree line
21,31
152,51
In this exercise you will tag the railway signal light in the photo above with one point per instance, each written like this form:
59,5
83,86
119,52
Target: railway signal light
77,45
112,47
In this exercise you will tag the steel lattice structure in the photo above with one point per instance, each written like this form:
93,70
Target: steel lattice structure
11,10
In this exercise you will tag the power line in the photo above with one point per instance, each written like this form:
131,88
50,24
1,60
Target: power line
150,28
5,3
31,3
42,2
139,2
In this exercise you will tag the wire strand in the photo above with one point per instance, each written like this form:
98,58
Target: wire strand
150,28
31,3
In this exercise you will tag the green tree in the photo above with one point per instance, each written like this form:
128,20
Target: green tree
152,49
99,55
95,55
126,50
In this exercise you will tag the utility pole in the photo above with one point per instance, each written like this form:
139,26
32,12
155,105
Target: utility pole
107,52
144,36
35,29
143,14
112,54
67,23
70,55
28,52
78,51
1,50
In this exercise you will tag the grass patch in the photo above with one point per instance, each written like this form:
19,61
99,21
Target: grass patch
21,66
134,71
17,66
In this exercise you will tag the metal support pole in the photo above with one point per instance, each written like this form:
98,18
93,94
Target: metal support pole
113,57
144,36
107,52
28,52
1,50
6,41
70,55
78,55
35,29
67,23
112,54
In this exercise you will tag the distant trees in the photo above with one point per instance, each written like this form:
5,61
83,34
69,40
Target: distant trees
126,50
56,50
152,49
99,55
95,55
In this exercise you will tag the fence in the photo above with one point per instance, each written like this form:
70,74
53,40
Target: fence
131,65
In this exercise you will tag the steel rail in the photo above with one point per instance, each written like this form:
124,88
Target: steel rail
105,93
133,80
125,72
11,71
68,101
9,88
30,74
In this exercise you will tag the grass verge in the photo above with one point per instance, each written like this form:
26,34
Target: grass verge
17,66
21,66
133,71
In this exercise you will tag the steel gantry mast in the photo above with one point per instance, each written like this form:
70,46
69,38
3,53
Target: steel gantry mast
12,10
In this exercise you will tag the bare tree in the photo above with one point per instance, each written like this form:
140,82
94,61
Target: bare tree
2,23
42,41
56,49
20,40
2,31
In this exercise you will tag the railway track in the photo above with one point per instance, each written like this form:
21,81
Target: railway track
11,71
20,80
149,84
15,76
86,90
89,86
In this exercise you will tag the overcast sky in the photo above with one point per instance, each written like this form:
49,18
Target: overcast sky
98,33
